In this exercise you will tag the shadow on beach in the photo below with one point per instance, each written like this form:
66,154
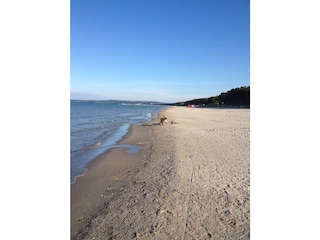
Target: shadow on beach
157,123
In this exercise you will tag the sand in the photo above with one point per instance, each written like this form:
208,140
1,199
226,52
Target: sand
190,180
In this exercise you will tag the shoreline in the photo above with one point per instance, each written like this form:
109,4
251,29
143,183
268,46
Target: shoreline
108,147
81,211
191,179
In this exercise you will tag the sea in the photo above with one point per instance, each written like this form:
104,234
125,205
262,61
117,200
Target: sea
97,126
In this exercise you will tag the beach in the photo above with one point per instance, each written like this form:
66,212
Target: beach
190,180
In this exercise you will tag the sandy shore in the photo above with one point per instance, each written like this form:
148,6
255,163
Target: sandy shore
190,180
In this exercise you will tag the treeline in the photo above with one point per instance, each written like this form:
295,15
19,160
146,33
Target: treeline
237,97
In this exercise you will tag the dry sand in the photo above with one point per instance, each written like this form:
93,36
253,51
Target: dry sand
190,180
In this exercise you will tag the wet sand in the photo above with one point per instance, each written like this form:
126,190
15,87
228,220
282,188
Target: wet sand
190,180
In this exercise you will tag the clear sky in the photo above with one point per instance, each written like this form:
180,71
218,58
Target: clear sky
158,50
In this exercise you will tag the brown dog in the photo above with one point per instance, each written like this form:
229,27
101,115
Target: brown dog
163,120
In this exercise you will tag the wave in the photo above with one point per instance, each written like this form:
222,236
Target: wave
95,128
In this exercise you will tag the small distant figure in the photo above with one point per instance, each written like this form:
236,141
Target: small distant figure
163,119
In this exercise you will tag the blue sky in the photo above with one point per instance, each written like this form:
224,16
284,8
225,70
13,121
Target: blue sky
158,50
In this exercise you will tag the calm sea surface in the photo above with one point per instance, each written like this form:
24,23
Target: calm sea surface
96,126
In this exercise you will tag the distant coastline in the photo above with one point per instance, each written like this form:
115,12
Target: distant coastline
120,101
234,98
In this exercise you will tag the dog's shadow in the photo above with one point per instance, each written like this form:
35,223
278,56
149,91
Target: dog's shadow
150,124
156,124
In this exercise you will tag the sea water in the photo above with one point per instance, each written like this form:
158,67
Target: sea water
97,126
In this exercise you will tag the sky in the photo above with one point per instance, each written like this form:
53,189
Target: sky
159,50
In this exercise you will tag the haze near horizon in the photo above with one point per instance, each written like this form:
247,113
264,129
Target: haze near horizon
166,51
